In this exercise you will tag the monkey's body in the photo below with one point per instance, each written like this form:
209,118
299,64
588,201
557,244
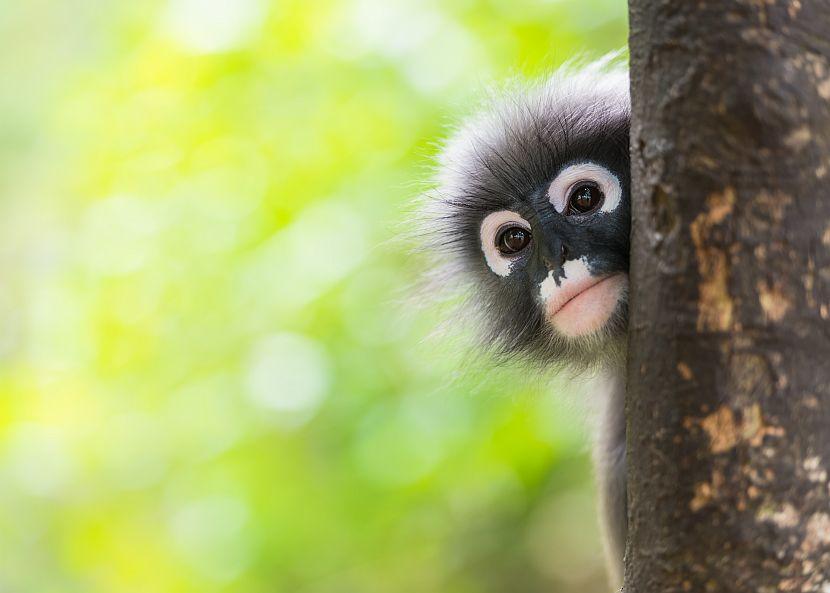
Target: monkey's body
532,209
609,464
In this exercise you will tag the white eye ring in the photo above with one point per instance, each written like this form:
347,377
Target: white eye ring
569,177
490,226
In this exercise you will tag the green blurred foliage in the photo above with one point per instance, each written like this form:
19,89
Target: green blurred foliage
210,379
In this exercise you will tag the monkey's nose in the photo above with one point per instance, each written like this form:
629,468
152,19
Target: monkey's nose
557,256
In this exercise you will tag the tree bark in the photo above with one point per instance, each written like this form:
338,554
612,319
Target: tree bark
729,369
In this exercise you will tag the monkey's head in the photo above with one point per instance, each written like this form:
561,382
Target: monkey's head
532,207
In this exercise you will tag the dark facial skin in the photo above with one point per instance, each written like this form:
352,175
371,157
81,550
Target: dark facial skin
600,237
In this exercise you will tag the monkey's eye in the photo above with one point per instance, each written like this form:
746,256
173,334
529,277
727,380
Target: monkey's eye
585,197
583,188
504,235
512,240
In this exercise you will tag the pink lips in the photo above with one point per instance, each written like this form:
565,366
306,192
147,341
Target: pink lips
569,291
585,306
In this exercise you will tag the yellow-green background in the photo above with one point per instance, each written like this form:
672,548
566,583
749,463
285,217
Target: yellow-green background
209,378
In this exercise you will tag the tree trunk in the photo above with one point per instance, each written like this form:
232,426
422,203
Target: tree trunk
729,370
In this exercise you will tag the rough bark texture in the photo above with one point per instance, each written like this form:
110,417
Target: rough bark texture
729,371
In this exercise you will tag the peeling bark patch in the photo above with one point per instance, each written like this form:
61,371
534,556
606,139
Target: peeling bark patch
799,138
754,428
703,496
750,378
794,8
726,431
817,533
784,517
815,473
763,214
720,206
722,429
706,492
773,301
664,216
715,307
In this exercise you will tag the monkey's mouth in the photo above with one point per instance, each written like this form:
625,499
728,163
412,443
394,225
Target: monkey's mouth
583,307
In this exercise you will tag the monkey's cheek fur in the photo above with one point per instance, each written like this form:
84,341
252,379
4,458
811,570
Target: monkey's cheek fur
590,310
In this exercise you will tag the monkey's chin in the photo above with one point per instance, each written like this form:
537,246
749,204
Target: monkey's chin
590,310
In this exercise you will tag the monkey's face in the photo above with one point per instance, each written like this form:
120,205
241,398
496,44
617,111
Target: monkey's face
566,249
535,204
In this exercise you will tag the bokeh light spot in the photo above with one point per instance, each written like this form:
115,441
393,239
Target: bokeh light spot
206,26
209,533
288,374
39,460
